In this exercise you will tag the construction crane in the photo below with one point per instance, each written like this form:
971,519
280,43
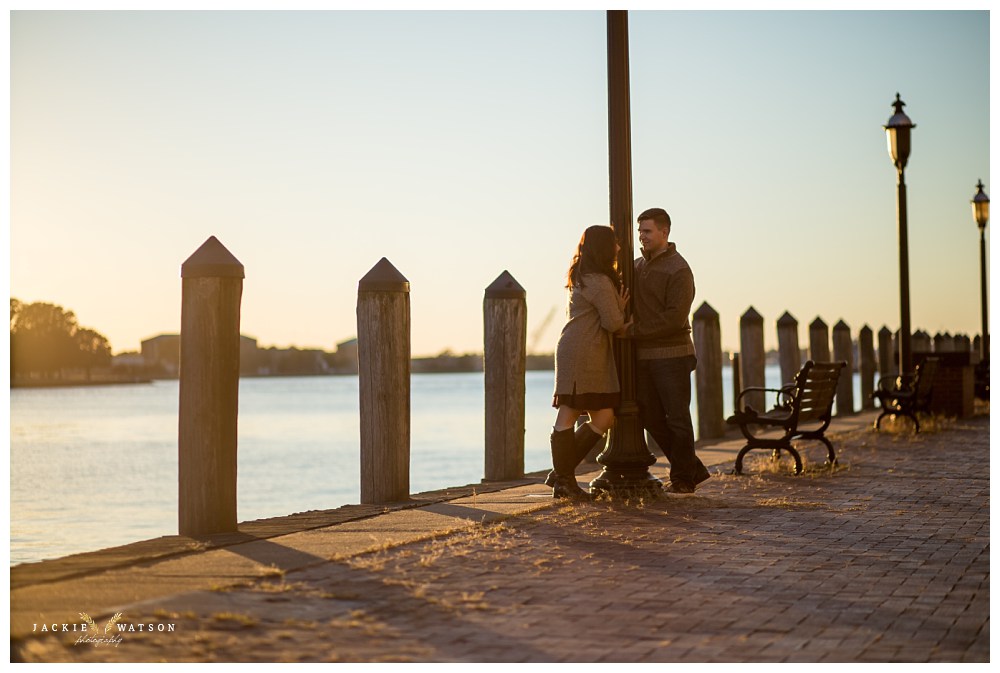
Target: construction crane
536,336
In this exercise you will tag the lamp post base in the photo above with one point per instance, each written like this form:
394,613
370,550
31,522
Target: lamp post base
626,483
627,459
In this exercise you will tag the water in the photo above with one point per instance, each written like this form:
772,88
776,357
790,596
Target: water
94,467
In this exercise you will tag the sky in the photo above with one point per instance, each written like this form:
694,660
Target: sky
459,145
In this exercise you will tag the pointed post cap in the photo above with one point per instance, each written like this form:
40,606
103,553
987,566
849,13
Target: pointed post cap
212,260
817,324
885,330
787,319
865,329
383,277
840,326
505,287
751,316
706,312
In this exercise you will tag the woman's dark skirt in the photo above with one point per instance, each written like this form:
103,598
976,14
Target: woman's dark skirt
587,401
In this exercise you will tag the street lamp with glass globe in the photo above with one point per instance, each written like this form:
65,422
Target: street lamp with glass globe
981,211
897,131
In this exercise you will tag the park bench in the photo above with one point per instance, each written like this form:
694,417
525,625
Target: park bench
907,395
802,410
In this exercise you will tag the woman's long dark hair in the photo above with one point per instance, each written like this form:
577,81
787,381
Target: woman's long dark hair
595,254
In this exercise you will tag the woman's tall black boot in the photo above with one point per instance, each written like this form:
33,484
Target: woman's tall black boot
584,440
564,464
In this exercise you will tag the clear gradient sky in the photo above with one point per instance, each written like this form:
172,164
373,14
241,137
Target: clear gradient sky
461,144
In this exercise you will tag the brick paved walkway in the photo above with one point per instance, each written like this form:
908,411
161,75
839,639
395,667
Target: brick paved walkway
885,559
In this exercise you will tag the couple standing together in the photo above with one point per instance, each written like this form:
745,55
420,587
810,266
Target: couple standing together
586,376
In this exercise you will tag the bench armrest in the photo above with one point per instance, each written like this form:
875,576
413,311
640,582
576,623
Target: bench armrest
778,402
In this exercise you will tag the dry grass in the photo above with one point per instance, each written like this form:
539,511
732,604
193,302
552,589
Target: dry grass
234,619
901,427
272,571
784,502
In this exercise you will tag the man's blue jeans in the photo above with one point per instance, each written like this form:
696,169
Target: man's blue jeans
663,391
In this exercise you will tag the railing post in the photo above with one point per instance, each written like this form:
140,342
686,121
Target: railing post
885,359
819,341
708,375
734,364
921,341
212,286
866,353
843,351
752,357
505,333
789,355
384,384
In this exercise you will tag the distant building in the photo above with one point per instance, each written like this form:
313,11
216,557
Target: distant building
129,360
345,359
162,355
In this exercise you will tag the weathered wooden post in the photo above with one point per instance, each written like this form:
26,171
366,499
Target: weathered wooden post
866,353
939,343
885,359
505,333
789,355
384,384
752,357
211,286
708,375
977,349
819,341
921,342
843,351
734,364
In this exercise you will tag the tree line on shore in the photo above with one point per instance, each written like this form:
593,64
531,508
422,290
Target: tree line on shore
48,346
47,342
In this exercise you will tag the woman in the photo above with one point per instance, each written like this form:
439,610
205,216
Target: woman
586,377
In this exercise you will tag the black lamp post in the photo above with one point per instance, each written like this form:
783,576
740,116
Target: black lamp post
627,459
897,131
981,211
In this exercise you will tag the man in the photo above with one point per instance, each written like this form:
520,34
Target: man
663,289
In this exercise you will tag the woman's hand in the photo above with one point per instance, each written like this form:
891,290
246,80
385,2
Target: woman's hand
623,332
623,294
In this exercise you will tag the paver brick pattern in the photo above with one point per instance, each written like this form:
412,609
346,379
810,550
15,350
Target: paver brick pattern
885,558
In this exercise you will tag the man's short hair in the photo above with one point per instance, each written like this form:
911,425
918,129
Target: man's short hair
657,215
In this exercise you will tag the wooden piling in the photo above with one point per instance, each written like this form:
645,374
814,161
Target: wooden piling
921,342
752,357
789,355
384,384
212,287
819,341
734,364
505,333
843,351
708,375
867,365
886,361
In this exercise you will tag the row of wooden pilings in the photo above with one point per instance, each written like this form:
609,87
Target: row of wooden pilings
212,288
212,283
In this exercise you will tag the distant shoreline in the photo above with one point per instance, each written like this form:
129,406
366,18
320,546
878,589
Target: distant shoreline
73,383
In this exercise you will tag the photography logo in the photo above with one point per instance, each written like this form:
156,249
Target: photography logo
109,634
95,636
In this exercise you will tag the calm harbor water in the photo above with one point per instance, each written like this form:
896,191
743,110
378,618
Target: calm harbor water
94,467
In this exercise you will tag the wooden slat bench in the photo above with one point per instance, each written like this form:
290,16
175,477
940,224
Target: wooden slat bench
806,402
907,395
